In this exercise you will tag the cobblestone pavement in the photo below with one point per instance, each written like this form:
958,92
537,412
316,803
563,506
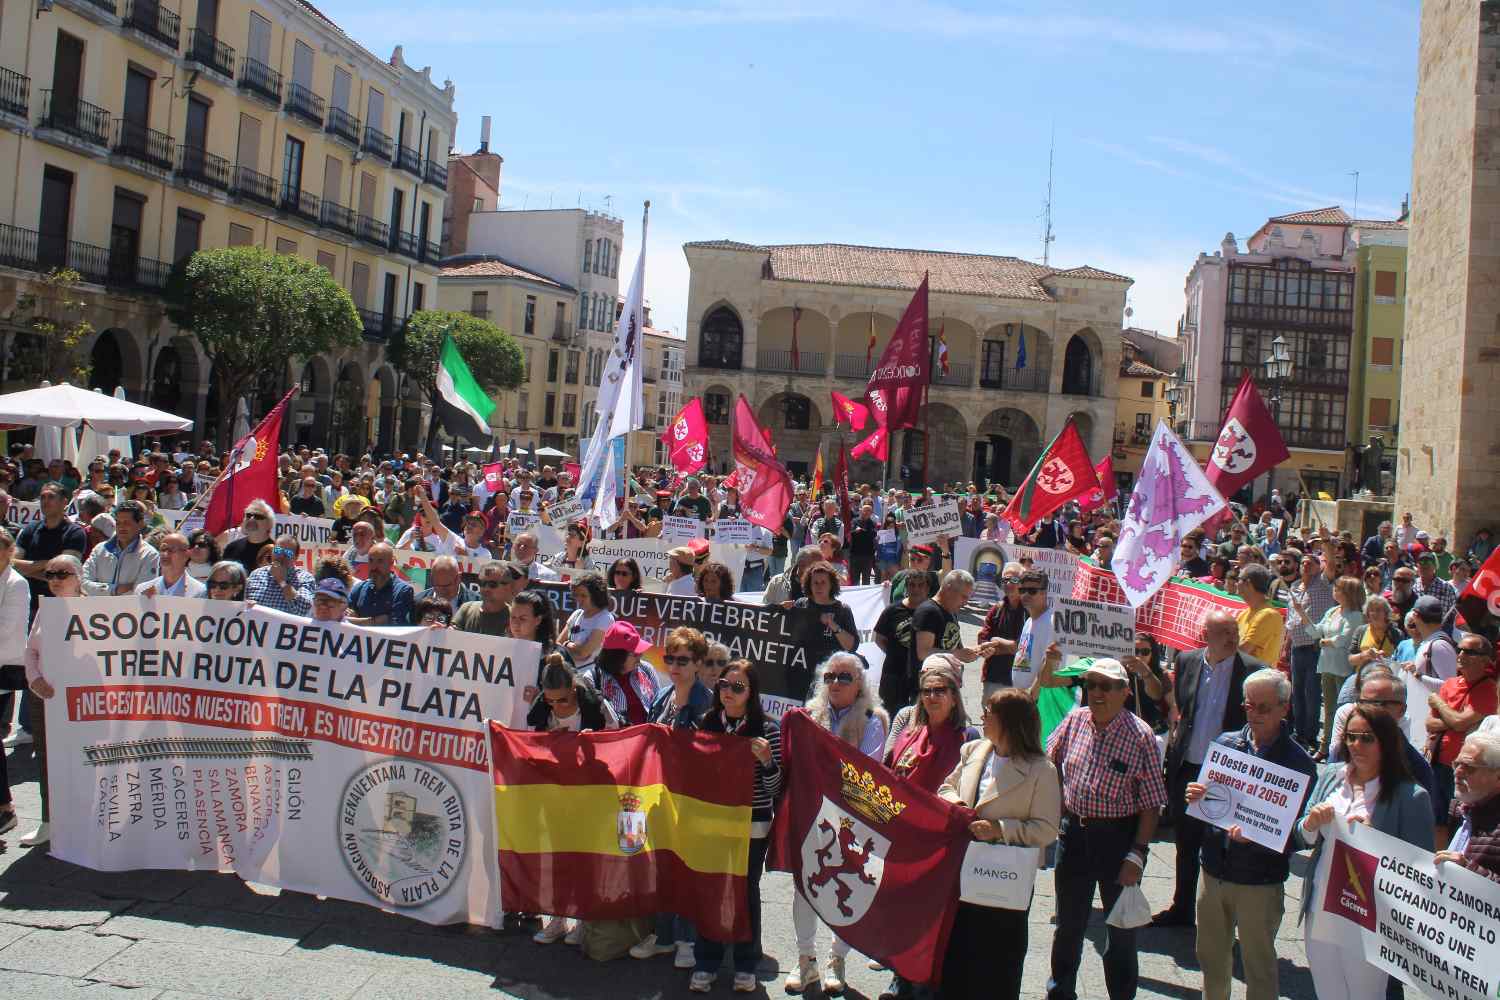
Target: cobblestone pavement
69,932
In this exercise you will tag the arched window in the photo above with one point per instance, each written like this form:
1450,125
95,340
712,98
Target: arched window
1078,369
309,380
721,341
588,255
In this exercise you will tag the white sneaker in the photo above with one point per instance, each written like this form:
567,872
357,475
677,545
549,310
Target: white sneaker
19,738
833,979
685,958
804,975
648,948
702,982
575,936
744,982
36,838
552,931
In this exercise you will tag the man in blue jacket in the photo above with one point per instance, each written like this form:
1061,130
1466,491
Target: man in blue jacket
1242,881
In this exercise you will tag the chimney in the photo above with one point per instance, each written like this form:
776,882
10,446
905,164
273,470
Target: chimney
484,134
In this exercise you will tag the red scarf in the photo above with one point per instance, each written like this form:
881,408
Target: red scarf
925,756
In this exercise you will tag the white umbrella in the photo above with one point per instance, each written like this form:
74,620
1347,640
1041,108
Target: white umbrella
70,445
551,453
68,406
241,420
122,441
91,443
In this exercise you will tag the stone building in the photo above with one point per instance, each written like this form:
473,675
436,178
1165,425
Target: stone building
1448,462
132,139
473,186
988,417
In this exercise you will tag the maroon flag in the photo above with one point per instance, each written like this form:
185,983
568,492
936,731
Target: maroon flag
251,473
841,487
1106,490
847,411
876,857
764,484
1249,442
877,444
905,365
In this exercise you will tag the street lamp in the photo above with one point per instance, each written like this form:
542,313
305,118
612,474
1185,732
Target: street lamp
1172,394
1277,368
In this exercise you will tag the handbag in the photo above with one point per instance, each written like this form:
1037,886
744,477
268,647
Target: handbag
997,875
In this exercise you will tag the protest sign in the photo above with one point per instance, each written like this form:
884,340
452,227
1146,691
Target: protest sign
886,536
520,521
734,531
1433,927
565,512
651,555
1261,798
318,756
23,512
310,532
1092,628
1414,723
924,524
985,559
680,530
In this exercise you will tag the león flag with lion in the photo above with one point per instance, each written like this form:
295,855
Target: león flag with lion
1062,473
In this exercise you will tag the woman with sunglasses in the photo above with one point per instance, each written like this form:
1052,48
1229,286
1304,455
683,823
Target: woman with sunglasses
842,703
625,574
714,664
226,581
64,576
203,552
736,709
1376,788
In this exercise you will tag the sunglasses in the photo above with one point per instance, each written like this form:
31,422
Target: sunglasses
58,574
738,687
434,619
1009,581
676,661
220,584
251,516
843,677
1028,590
1470,652
492,584
283,553
1353,738
935,692
712,662
1105,686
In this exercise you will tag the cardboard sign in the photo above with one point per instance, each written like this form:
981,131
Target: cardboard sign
680,530
924,524
567,512
734,531
518,522
1261,798
1092,628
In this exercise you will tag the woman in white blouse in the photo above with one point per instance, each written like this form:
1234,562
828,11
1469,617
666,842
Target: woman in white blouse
15,606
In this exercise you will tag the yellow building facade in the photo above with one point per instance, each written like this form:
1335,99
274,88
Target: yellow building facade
1379,322
1143,403
134,132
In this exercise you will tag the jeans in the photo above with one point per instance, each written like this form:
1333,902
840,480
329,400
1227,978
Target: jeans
775,565
754,577
1090,857
1307,693
1188,833
672,928
746,954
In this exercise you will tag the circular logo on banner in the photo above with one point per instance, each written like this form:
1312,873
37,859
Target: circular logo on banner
1055,476
401,831
1217,802
1234,452
680,430
695,452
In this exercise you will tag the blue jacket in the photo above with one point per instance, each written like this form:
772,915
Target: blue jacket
1406,815
699,700
1252,864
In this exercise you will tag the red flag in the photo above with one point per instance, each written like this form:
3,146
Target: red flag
252,473
574,470
817,476
904,369
841,487
877,444
847,411
796,355
1249,442
687,438
1060,474
494,476
877,857
1479,604
870,344
879,407
764,485
1106,491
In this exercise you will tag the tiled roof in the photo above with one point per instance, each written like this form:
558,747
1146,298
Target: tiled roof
1139,369
886,267
471,266
1380,223
1330,216
652,331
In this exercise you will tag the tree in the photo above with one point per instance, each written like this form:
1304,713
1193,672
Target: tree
493,356
251,308
46,330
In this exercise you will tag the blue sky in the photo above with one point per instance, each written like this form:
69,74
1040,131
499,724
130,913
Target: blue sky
926,124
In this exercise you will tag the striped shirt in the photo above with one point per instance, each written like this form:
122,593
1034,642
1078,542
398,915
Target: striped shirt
768,777
1110,774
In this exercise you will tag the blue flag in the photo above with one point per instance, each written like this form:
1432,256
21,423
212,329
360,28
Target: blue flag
1021,351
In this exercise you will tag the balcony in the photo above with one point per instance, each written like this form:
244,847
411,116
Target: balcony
199,166
377,143
126,270
853,366
77,119
254,186
377,325
404,243
28,250
336,216
437,174
141,145
303,103
15,93
808,362
1029,379
210,53
372,231
343,125
432,252
260,80
154,21
296,201
94,10
409,159
959,373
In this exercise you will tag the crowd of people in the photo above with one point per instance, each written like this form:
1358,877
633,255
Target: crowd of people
1312,674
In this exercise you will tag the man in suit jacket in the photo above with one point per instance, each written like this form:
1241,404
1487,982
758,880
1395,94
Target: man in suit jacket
1210,692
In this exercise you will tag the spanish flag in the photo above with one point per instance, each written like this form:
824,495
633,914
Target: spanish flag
817,476
625,823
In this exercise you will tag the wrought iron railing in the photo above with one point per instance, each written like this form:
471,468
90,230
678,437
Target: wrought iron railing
343,125
15,93
377,143
203,167
134,141
153,20
210,53
409,159
305,104
252,185
1032,378
437,174
258,78
79,119
300,202
372,231
775,360
336,216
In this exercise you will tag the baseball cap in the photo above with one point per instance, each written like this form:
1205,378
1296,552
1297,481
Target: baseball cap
683,554
1429,609
332,586
622,635
1110,668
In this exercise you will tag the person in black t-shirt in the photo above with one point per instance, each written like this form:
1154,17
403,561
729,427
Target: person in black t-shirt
255,535
893,635
862,546
935,622
52,535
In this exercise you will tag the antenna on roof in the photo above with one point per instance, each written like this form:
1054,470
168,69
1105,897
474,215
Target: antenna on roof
609,204
1355,175
1047,234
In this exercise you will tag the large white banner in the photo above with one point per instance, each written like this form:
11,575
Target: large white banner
321,757
310,532
651,555
1432,927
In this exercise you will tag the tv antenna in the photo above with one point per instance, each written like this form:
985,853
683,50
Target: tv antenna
1047,235
1355,175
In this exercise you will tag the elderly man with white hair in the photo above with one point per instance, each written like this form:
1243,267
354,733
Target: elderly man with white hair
1242,883
1476,806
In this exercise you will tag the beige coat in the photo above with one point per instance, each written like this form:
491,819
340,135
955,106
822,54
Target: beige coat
1026,801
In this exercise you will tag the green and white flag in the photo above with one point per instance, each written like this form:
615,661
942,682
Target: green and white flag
463,407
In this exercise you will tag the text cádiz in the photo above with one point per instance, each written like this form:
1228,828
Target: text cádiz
361,649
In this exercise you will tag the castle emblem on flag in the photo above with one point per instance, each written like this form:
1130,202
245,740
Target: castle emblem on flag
630,824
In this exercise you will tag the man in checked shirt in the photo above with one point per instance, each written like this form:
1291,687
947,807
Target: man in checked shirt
1112,791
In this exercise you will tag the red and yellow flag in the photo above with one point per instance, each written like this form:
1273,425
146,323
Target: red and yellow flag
625,823
817,479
